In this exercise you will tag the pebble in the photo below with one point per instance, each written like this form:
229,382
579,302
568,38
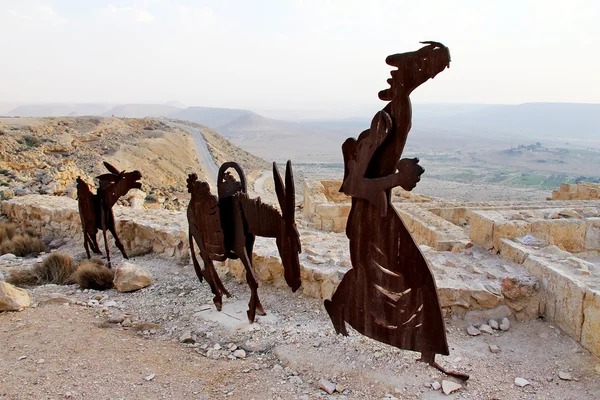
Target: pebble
436,385
493,324
110,303
565,376
494,349
505,324
186,337
240,353
486,329
127,323
40,361
471,330
149,377
217,346
116,317
597,368
327,386
521,382
232,347
450,387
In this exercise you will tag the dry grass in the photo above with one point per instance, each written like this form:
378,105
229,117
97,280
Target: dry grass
7,231
22,245
57,268
23,277
93,274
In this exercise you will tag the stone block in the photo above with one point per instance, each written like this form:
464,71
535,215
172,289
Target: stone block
590,331
512,251
568,234
592,234
481,231
564,295
509,230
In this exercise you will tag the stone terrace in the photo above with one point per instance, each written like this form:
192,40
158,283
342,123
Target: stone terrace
482,269
557,242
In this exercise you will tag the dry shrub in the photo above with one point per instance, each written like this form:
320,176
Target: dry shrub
56,268
93,274
23,277
22,245
7,231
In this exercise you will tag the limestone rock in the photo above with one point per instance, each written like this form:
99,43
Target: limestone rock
327,386
130,277
472,331
516,287
521,382
565,376
494,349
450,387
493,324
505,324
486,329
13,298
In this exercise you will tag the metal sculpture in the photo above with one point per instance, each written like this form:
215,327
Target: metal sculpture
390,293
95,210
226,227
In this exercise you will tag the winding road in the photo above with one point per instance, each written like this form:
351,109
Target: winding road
209,166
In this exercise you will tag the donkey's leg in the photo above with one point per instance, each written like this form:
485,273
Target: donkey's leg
194,259
86,240
118,242
94,243
251,280
103,226
208,272
249,251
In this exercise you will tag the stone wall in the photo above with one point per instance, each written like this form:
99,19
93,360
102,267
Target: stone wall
579,191
572,229
570,285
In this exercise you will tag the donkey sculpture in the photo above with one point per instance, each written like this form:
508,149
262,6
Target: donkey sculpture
226,227
95,210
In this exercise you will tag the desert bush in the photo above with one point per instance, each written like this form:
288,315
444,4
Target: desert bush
22,245
93,274
57,268
7,231
23,277
31,141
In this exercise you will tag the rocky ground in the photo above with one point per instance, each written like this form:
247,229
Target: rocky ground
45,155
168,341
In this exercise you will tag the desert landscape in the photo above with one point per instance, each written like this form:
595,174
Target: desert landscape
299,200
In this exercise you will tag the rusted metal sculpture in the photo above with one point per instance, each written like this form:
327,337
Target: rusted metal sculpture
226,227
95,210
390,293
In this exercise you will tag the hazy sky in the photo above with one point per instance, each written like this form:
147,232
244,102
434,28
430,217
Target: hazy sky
294,54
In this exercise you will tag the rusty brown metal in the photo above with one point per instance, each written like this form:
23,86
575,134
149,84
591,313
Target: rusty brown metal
390,293
226,227
95,210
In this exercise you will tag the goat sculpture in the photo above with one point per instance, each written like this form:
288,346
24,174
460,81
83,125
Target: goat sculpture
390,293
226,227
95,210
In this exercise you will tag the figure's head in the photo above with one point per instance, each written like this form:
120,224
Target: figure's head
132,178
415,68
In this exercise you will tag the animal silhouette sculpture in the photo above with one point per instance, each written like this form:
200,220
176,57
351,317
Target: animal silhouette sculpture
390,293
226,227
95,210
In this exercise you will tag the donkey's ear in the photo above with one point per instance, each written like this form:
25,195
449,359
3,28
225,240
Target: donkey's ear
290,191
279,189
111,168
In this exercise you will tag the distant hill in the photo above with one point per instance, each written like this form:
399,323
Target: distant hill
58,110
210,116
141,110
535,120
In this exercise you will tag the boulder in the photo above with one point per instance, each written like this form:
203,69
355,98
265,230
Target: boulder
13,298
130,277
